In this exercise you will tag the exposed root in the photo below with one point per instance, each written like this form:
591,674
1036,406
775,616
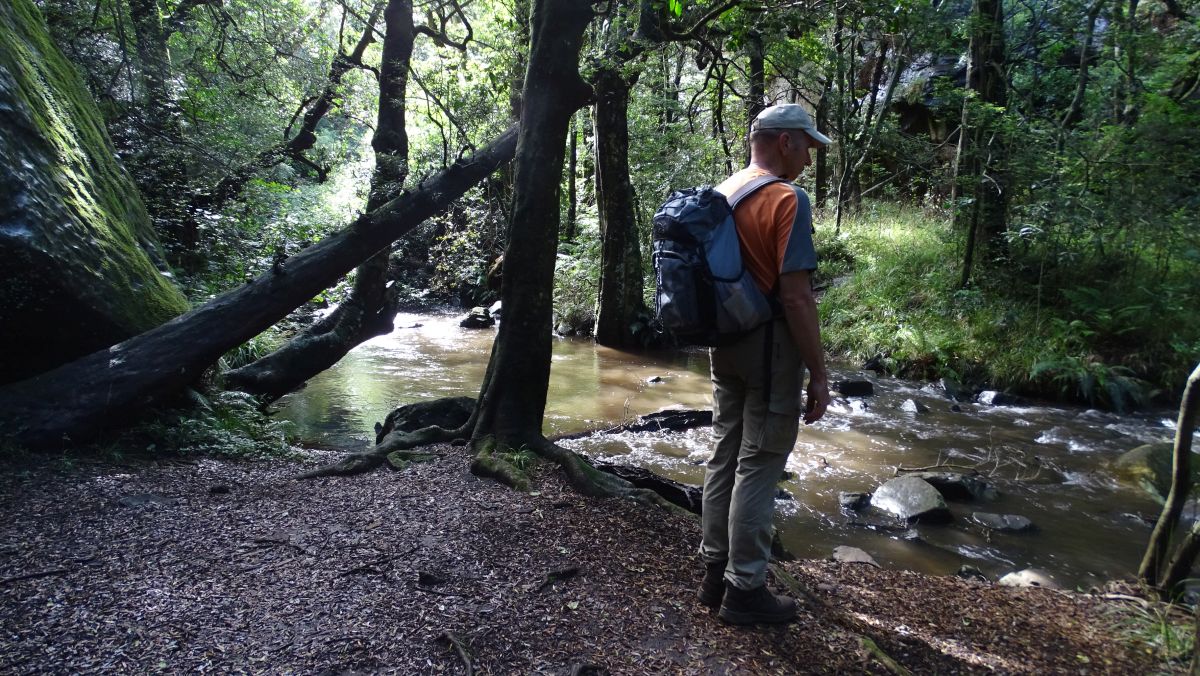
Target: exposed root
463,652
488,464
590,481
366,461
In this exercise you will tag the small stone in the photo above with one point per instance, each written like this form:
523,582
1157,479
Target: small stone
971,573
913,406
654,379
1007,523
784,494
847,554
219,489
994,398
854,501
956,408
1030,577
429,579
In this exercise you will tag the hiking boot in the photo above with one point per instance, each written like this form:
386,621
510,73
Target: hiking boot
752,606
712,589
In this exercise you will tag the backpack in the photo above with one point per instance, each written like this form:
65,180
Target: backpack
703,293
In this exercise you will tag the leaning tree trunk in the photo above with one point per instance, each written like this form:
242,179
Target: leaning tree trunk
109,387
620,301
371,307
1154,571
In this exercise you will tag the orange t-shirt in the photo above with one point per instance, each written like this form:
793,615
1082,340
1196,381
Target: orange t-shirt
774,226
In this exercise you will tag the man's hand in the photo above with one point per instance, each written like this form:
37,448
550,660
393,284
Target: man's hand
818,401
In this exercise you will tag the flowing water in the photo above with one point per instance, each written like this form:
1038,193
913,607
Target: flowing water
1046,461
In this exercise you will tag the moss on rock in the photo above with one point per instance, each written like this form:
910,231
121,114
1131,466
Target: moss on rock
79,249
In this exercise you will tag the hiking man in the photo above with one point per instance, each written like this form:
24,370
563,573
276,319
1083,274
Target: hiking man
757,381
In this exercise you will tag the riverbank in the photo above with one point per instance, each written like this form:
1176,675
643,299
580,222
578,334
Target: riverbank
214,565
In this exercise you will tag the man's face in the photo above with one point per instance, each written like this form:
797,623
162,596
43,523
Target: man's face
794,149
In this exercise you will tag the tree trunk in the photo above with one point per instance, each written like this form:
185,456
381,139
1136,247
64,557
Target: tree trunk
621,288
982,204
572,189
370,308
512,401
1075,111
822,158
1152,572
757,95
109,387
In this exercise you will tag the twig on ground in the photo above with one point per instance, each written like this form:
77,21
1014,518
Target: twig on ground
461,649
558,575
37,574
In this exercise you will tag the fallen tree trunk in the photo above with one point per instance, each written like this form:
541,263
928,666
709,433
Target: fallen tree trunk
109,387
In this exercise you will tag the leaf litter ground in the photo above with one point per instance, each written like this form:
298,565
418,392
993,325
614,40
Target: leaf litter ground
216,566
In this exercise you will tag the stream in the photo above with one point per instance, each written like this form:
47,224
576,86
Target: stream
1047,462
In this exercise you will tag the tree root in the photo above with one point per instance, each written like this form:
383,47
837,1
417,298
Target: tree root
358,463
488,463
582,476
840,617
463,652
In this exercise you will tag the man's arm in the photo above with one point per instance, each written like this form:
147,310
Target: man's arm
800,310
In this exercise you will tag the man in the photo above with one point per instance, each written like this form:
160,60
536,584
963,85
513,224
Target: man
757,381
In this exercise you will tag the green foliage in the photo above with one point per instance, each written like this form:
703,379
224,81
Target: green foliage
523,458
577,283
1110,347
1167,631
231,426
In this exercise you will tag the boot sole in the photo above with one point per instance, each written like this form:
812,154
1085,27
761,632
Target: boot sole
740,617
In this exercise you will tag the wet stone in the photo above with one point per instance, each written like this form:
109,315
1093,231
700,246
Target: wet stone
1030,577
854,501
913,406
847,554
994,398
959,486
971,573
855,388
478,318
1008,523
911,498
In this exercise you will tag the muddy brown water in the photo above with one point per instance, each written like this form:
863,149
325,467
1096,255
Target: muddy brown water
1046,461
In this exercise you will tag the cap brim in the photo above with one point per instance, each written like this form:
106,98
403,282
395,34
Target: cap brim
819,137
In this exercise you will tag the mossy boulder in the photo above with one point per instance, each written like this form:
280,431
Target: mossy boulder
1149,467
81,259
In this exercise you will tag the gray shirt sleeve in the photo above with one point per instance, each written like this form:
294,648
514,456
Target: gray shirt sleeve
800,253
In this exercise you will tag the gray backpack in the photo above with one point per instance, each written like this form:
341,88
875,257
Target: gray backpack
703,293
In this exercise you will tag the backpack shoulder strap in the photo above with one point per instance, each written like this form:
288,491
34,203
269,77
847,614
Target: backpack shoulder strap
749,188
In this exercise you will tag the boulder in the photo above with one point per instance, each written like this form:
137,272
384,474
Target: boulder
854,388
1007,523
1030,577
854,501
875,364
994,398
1149,467
847,554
913,406
959,486
477,318
494,310
83,268
911,498
448,413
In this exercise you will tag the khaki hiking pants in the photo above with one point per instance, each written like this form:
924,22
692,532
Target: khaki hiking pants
753,436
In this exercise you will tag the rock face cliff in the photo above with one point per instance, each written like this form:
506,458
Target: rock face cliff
78,254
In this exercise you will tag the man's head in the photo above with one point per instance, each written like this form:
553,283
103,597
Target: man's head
781,137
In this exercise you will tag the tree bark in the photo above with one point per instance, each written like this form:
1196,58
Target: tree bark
370,308
980,169
621,288
757,95
572,189
1075,111
1152,570
109,387
512,400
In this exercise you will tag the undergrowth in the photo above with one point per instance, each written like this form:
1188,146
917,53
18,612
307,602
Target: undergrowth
893,293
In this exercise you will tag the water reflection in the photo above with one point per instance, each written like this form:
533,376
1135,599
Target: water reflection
1044,460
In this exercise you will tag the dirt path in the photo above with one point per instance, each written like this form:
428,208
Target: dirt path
216,566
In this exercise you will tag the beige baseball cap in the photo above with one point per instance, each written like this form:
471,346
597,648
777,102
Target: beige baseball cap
789,116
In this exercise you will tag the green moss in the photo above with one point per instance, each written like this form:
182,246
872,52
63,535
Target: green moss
84,218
